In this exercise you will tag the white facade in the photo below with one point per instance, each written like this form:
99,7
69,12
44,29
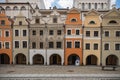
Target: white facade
92,4
33,3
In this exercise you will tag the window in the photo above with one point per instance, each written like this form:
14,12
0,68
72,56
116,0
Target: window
92,22
102,6
41,32
77,32
87,33
0,45
51,32
59,32
33,32
106,46
24,44
55,20
73,20
8,8
7,33
117,46
15,8
77,44
89,5
37,20
83,6
33,45
7,45
95,46
117,33
68,32
20,23
41,45
112,22
95,33
69,44
16,44
87,46
95,5
16,32
23,8
59,45
24,32
51,45
2,22
106,33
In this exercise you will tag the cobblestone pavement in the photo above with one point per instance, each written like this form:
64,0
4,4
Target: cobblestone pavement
37,69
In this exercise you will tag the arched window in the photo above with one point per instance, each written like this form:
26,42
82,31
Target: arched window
15,8
23,8
112,22
89,5
8,8
83,6
95,5
73,20
92,22
1,8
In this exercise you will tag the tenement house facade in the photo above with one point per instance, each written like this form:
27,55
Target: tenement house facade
73,38
47,37
13,9
5,39
20,40
92,38
111,38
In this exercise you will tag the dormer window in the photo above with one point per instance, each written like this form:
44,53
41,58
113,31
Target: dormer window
92,22
54,20
37,21
7,8
73,20
15,8
112,22
20,22
2,22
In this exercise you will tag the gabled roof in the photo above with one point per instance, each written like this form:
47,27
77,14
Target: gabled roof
74,10
92,13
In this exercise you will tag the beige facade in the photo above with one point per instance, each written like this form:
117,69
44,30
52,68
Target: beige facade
47,37
111,38
92,38
20,40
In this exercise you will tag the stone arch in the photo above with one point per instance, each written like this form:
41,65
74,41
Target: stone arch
112,60
4,58
91,60
55,59
20,58
72,59
38,59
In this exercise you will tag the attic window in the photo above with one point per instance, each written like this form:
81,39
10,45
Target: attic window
20,23
37,20
7,8
112,22
92,22
54,20
73,20
23,8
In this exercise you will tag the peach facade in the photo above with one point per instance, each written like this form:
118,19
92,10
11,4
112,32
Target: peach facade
73,38
5,39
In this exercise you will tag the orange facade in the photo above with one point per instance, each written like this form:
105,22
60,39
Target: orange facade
73,38
5,39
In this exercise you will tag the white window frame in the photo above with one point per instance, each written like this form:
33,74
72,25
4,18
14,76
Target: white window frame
104,47
26,32
115,32
18,32
22,44
77,41
0,33
71,43
79,31
19,44
5,45
5,33
67,30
